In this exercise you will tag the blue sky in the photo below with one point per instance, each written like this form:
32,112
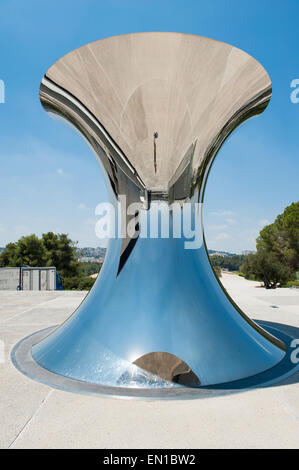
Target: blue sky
49,178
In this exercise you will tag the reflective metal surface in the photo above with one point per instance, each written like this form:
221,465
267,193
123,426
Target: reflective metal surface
285,372
156,108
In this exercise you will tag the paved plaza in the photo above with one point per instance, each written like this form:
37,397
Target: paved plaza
34,415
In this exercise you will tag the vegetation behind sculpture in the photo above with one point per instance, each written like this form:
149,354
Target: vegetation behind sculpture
51,250
276,261
277,258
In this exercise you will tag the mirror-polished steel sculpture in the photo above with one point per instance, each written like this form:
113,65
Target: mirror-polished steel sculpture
156,108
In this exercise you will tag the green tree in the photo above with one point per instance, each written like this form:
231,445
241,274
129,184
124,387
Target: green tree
61,252
91,267
50,250
232,263
282,237
266,267
28,250
78,283
277,257
8,257
217,271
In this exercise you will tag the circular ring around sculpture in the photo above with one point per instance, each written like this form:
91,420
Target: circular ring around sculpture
285,372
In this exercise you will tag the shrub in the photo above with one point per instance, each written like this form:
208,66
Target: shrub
266,267
217,271
78,283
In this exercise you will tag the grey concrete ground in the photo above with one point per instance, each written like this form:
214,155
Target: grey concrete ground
33,415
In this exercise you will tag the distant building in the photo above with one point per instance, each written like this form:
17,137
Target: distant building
27,278
248,252
90,259
219,253
91,255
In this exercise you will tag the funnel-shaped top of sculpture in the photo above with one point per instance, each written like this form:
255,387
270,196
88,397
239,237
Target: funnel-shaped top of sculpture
165,100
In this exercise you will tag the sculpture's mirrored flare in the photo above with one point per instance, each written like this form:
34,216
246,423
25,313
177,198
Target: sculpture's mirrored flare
156,108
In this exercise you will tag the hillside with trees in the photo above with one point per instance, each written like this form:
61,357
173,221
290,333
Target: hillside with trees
231,263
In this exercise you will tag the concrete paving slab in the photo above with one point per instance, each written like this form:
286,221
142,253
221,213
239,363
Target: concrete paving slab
14,303
50,312
244,420
36,416
20,397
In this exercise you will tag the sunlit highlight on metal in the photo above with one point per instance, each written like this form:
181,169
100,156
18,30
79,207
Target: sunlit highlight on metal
156,108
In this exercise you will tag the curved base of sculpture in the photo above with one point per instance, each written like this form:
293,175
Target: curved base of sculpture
166,300
278,375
